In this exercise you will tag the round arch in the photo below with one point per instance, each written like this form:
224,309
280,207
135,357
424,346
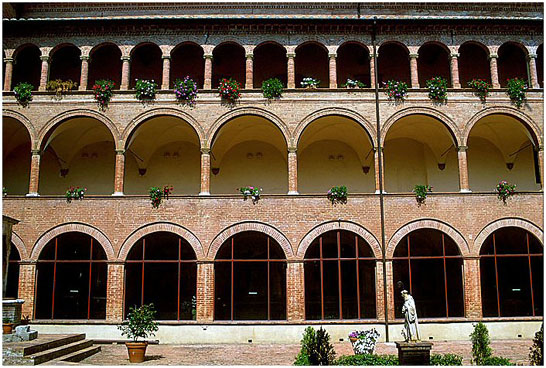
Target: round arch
56,48
185,43
26,122
140,44
250,226
517,44
397,43
338,225
270,43
229,41
20,245
160,226
73,227
105,43
427,224
437,43
24,46
311,42
473,42
505,222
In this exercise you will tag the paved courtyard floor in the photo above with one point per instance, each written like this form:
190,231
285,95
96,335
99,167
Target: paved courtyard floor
282,354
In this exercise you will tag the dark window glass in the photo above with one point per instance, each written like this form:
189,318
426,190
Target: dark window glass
161,288
312,290
161,246
329,245
489,287
133,286
367,289
537,267
429,291
250,245
455,297
44,290
250,291
71,290
331,290
135,254
313,252
74,246
277,284
348,245
222,290
188,291
99,272
12,283
349,304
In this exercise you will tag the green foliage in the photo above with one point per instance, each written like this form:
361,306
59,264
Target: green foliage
337,194
145,89
481,350
536,356
75,193
496,361
23,93
505,190
103,89
252,192
396,90
481,88
353,84
437,89
185,91
447,359
157,194
59,86
229,90
315,348
140,322
310,82
516,89
367,359
421,193
272,88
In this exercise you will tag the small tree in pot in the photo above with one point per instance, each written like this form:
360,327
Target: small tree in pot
140,323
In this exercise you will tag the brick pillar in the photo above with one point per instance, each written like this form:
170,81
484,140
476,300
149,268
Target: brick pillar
292,171
373,70
414,71
9,73
379,292
472,289
27,281
44,73
463,169
205,292
295,291
541,164
376,160
115,292
208,72
249,84
205,172
291,71
333,70
532,70
165,81
34,174
494,72
84,73
125,70
455,83
119,173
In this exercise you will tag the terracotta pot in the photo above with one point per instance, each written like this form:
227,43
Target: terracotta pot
136,351
7,328
353,339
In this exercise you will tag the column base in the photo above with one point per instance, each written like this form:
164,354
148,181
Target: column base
117,194
204,193
293,192
377,192
465,191
32,195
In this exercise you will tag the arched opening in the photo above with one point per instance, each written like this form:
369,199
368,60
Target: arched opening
78,152
71,278
65,64
105,63
171,158
500,147
146,64
228,61
27,66
12,281
269,62
353,62
249,151
433,62
512,63
473,63
250,278
393,63
512,274
15,156
332,151
187,60
161,268
429,265
339,277
540,65
312,61
420,149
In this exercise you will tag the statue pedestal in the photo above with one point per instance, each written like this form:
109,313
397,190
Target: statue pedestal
414,353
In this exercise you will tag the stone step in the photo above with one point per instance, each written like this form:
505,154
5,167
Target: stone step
76,356
60,351
54,343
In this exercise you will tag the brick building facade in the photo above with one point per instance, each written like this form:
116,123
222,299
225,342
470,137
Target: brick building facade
464,254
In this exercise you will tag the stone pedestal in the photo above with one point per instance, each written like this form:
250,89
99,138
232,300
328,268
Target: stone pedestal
414,353
11,309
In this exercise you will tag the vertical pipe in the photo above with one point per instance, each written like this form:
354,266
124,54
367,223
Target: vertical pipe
179,256
530,275
496,275
268,284
321,280
232,278
445,274
339,283
89,291
54,282
357,278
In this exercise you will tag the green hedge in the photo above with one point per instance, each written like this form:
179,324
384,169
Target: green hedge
447,359
367,359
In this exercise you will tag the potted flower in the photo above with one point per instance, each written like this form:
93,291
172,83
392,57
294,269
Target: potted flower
437,89
75,193
252,192
309,82
421,193
140,324
23,93
337,194
103,89
481,88
353,84
396,90
145,89
7,326
505,190
157,194
364,341
516,88
229,90
272,88
185,91
60,87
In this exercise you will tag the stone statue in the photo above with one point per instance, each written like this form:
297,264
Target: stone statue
411,326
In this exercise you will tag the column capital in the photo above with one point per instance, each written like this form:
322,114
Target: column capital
249,56
332,55
493,56
290,55
207,56
205,151
8,60
540,147
532,56
454,55
414,56
120,152
462,148
84,57
375,149
35,152
125,58
292,149
165,57
44,57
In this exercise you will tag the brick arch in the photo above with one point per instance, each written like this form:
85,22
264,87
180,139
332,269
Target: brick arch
185,43
526,120
56,48
22,47
338,225
505,222
518,44
52,123
26,122
428,224
250,226
219,123
161,226
398,43
73,227
436,114
228,41
104,43
20,245
271,43
162,111
362,121
474,42
314,41
437,43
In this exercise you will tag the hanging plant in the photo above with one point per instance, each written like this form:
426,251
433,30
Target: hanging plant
75,193
396,90
309,82
421,192
229,90
505,190
103,89
437,89
185,91
272,88
353,84
60,87
145,89
252,192
157,194
23,93
481,88
516,88
337,195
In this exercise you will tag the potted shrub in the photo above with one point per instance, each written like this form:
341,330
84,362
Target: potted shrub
481,88
337,194
23,93
103,89
272,88
185,91
437,89
309,82
505,190
252,192
145,90
75,193
157,194
229,90
421,193
353,84
140,324
396,90
60,87
516,89
7,326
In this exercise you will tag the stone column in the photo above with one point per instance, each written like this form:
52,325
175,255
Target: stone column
205,291
333,71
8,73
380,306
125,70
292,171
463,169
205,172
208,72
376,159
84,73
165,81
291,71
494,72
119,173
27,284
532,70
373,70
44,73
541,164
295,291
472,289
414,70
34,174
455,83
249,84
115,292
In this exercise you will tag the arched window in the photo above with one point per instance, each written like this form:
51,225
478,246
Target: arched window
250,278
71,274
512,63
312,61
187,60
27,66
353,62
66,64
393,63
339,277
146,64
428,264
12,282
512,278
269,62
161,269
105,63
473,63
433,62
228,61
